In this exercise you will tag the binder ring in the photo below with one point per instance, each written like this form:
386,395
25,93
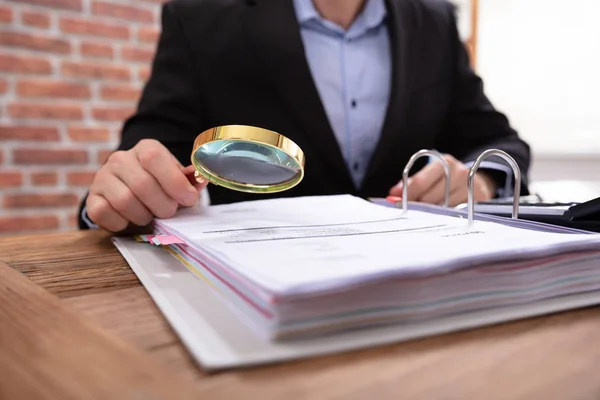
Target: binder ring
409,165
516,171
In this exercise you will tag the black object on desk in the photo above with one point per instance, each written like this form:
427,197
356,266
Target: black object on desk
585,216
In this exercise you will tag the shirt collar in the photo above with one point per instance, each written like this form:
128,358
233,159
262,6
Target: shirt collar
370,17
305,11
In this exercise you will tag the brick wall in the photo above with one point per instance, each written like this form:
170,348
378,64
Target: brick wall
70,73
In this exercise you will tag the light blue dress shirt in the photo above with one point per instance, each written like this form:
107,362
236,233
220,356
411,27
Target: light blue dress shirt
352,71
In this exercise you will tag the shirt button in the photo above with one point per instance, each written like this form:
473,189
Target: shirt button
353,103
356,166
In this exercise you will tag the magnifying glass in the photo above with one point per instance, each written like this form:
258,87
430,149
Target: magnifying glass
247,159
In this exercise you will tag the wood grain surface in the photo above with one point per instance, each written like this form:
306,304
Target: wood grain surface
47,351
554,357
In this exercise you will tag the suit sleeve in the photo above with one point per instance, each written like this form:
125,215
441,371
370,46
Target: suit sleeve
170,107
474,125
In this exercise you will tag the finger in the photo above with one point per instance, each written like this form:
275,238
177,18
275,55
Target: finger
103,214
424,180
487,184
481,190
189,170
458,185
158,161
460,194
190,173
396,191
124,201
458,197
147,190
200,185
436,194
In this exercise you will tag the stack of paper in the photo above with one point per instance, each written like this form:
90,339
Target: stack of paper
302,266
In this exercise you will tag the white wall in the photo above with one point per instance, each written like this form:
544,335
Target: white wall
540,60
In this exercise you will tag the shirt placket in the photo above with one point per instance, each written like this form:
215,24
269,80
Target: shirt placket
351,56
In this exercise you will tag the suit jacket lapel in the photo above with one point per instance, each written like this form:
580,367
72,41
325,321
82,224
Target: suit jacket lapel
274,31
402,17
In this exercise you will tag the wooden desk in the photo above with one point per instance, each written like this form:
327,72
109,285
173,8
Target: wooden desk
555,357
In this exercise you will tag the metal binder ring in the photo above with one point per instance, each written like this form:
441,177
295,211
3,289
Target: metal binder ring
409,165
516,171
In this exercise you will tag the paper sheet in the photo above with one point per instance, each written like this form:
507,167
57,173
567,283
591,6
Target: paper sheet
316,243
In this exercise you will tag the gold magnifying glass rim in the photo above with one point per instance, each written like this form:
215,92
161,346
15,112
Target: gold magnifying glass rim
246,133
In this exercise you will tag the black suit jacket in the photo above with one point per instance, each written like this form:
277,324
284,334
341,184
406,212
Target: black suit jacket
223,62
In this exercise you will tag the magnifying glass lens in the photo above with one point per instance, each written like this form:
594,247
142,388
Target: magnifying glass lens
247,163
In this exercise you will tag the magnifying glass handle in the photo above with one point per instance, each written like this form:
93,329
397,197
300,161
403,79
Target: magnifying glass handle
194,178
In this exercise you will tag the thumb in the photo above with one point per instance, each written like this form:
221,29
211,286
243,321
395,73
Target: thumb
189,173
200,186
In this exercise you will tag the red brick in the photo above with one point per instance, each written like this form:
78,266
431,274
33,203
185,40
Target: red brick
120,92
80,178
10,179
29,133
103,155
94,28
36,20
75,5
94,71
40,200
34,42
144,73
89,49
26,156
137,54
73,220
26,223
112,113
45,111
44,178
53,89
3,86
6,15
148,34
125,12
82,134
24,64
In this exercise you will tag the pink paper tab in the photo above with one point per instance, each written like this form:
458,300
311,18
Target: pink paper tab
160,240
170,239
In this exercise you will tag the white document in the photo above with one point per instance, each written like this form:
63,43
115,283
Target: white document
304,245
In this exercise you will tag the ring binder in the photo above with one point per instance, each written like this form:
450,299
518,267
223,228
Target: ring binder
372,283
470,181
409,165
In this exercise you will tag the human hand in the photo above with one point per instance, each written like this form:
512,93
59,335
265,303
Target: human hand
429,184
136,185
